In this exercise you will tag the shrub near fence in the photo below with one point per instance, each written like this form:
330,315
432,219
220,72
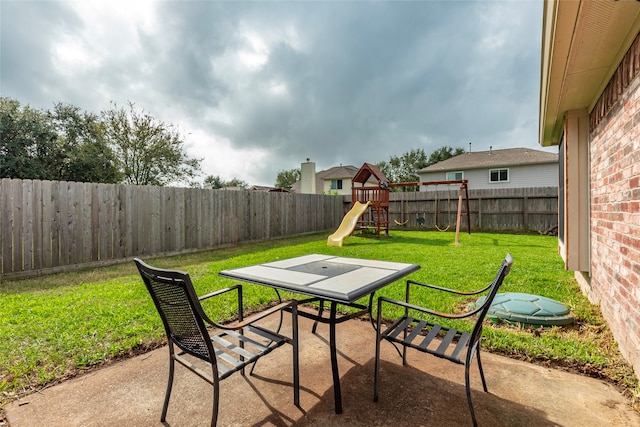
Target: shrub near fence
48,226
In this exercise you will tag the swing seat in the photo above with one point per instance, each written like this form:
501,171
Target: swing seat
401,223
443,229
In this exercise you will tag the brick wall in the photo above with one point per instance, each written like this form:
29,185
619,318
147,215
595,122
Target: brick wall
615,218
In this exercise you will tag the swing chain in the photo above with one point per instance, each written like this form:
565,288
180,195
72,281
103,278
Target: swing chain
438,208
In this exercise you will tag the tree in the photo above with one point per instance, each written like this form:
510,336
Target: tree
443,153
85,155
27,142
215,182
148,151
286,178
236,182
404,168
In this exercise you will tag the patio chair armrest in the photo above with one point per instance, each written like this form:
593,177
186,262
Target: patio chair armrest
426,310
246,321
219,292
441,288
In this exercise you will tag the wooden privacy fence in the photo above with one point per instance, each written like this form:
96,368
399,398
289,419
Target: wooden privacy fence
508,209
48,226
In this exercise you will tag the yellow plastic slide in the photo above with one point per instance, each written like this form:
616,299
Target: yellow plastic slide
348,224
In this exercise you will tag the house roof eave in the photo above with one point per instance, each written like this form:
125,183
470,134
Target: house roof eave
582,44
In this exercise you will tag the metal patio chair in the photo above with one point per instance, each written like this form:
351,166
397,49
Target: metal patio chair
230,349
419,332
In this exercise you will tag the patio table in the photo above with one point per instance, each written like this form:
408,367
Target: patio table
325,278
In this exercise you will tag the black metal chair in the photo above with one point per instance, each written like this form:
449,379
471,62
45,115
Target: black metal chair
456,346
230,349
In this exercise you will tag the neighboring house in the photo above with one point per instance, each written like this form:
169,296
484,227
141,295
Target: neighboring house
509,168
590,108
335,180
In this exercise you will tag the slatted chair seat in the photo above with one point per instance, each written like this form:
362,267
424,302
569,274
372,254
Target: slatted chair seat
236,351
424,335
229,349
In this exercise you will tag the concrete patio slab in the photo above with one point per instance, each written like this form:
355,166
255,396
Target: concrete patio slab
429,392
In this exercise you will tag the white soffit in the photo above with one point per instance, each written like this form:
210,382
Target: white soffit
582,44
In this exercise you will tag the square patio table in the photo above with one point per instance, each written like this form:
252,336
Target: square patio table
326,278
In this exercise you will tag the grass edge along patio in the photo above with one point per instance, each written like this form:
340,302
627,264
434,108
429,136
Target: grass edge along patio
61,325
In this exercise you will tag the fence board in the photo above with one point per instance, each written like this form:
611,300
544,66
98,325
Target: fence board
6,227
121,232
74,223
95,221
36,224
45,223
27,224
63,230
55,224
16,227
86,233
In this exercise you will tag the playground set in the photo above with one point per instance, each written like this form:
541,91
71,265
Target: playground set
370,205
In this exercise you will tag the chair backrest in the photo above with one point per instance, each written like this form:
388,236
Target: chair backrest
179,308
505,268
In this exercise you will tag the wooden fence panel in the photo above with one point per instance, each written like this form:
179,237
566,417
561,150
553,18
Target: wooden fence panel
95,221
490,210
121,232
8,225
46,236
36,223
16,201
61,212
86,229
167,237
27,225
53,226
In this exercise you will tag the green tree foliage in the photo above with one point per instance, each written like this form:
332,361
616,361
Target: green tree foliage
286,178
64,144
404,168
443,153
215,182
148,151
83,150
236,182
27,142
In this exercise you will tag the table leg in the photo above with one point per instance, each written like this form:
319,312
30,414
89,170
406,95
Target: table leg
337,394
320,310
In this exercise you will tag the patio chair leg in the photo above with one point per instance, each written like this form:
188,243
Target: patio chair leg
468,387
216,402
484,383
167,395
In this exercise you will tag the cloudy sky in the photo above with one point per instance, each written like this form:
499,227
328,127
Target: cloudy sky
258,87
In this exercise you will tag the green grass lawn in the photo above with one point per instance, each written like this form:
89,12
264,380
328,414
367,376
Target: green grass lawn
55,326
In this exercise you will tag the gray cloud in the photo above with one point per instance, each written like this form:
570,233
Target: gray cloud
260,86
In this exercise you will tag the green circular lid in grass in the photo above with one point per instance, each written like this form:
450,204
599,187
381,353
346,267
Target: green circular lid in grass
530,309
